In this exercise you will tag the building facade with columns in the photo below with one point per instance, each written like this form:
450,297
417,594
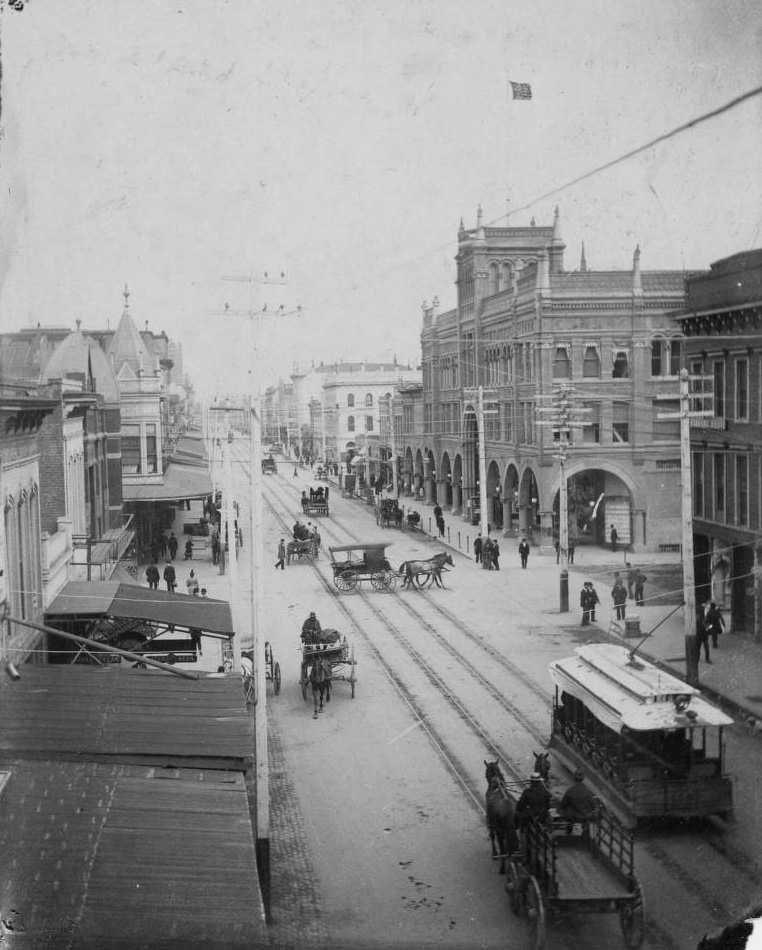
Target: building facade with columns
522,329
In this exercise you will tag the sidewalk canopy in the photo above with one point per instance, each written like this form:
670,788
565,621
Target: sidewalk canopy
88,599
180,482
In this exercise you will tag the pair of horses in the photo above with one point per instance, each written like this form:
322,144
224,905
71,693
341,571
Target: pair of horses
501,807
422,574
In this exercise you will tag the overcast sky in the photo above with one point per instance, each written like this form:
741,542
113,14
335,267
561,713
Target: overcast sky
171,145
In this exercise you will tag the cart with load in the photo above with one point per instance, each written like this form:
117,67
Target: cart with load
563,868
389,513
337,651
353,563
269,466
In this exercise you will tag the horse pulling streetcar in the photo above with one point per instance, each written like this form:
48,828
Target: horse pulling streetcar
651,744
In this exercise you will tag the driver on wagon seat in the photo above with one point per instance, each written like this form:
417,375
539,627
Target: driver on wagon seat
578,803
311,629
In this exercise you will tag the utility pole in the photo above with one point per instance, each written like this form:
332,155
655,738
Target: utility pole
255,562
685,414
483,513
564,417
232,551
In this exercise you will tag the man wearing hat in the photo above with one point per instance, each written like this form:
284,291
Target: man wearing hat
311,629
578,803
534,801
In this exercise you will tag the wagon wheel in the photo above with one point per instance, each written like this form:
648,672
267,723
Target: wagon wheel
276,679
390,580
513,886
535,912
377,580
303,681
352,665
632,919
346,581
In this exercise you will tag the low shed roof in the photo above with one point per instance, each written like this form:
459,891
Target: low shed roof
110,599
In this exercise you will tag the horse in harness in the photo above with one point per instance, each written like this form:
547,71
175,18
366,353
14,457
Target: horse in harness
425,573
501,814
320,680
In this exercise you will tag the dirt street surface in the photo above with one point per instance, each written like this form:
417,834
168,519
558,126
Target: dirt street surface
378,833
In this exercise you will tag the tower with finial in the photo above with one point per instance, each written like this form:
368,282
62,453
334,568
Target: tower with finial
637,282
583,260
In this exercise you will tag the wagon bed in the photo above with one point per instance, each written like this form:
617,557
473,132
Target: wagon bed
341,655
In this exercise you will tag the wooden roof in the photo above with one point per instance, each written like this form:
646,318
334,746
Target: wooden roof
116,712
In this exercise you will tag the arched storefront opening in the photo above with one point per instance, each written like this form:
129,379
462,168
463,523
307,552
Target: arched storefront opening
471,465
494,497
529,506
430,478
407,472
457,485
418,475
511,500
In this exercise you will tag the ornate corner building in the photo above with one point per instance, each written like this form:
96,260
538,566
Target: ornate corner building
523,329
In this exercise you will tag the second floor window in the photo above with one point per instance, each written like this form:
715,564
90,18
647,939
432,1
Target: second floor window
368,399
561,363
350,423
742,490
369,423
591,366
621,422
621,368
131,454
350,400
719,485
742,390
718,373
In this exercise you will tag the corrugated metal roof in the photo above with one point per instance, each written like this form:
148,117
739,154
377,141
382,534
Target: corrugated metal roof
98,856
128,714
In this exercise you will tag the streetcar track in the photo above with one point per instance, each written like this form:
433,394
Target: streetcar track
737,860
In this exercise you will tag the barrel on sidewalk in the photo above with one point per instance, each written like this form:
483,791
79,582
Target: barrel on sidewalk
632,626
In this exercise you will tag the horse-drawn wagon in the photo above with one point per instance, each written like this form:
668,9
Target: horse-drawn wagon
388,513
269,466
560,866
302,549
333,658
272,672
353,563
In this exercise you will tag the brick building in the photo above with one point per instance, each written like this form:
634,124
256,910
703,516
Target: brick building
522,327
722,323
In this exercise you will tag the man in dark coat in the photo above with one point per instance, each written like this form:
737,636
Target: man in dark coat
614,537
478,548
152,576
714,623
170,577
534,801
578,802
619,596
524,552
172,545
592,598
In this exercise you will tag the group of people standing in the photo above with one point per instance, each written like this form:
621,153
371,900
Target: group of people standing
487,552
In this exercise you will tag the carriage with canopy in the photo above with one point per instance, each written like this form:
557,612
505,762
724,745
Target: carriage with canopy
651,745
354,563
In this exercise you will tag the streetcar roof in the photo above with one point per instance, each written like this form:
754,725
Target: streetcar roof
361,547
623,691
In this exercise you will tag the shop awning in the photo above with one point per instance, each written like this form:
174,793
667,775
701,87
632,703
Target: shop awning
81,599
180,482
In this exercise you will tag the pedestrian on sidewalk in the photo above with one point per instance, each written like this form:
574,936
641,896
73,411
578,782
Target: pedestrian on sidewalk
172,545
170,577
593,599
189,550
281,562
215,547
571,555
614,537
584,602
487,554
630,579
152,576
619,596
441,525
495,554
557,546
192,583
638,582
478,548
702,635
524,552
296,473
163,544
714,623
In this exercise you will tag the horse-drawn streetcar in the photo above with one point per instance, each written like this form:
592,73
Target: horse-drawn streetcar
354,563
651,744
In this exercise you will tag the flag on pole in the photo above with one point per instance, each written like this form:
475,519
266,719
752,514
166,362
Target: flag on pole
521,90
